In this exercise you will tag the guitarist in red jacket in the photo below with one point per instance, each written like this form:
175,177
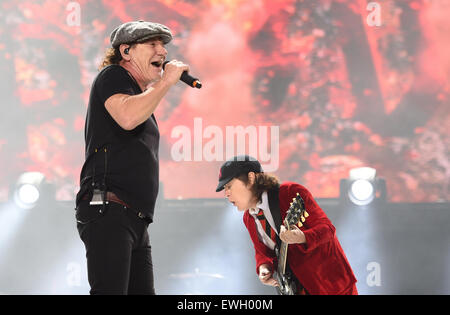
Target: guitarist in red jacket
315,258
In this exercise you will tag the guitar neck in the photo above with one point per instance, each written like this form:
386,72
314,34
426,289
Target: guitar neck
282,259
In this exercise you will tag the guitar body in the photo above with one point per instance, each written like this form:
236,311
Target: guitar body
286,283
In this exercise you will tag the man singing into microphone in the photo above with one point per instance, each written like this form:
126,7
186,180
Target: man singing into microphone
120,176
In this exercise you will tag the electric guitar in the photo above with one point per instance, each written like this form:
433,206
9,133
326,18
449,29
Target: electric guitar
296,214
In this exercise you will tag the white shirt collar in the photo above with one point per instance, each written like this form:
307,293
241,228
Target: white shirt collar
264,205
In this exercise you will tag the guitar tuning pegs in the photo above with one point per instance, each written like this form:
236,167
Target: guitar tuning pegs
292,204
299,224
302,218
293,199
298,194
306,214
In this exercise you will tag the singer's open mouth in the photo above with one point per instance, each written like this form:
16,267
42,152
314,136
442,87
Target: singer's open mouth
157,64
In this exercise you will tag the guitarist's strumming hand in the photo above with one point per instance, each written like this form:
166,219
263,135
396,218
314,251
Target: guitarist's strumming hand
265,276
293,236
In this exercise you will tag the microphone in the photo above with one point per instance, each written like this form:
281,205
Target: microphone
186,78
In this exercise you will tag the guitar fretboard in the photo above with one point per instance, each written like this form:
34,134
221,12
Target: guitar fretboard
283,255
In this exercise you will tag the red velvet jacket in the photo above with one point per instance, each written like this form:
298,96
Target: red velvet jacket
320,264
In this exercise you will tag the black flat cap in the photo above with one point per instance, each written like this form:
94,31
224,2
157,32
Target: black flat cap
238,165
139,31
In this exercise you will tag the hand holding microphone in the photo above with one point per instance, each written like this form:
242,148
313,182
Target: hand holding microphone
185,77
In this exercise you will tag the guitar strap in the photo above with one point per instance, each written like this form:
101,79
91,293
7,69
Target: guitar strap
274,205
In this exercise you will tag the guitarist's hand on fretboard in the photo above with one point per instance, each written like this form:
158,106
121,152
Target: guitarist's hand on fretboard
292,236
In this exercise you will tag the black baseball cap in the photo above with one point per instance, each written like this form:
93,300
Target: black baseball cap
236,166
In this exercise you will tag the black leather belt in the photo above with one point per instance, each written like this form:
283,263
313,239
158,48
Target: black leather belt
112,197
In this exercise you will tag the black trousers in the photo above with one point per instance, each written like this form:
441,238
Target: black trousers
118,250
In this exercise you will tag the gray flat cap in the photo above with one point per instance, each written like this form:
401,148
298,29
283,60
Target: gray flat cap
139,31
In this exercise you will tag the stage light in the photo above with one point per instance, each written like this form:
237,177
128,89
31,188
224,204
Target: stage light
362,187
28,194
28,189
361,192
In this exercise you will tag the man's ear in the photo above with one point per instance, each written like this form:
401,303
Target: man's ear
125,51
251,178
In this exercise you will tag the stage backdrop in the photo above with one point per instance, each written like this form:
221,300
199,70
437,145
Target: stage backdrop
311,88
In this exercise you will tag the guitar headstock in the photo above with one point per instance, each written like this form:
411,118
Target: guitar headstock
296,213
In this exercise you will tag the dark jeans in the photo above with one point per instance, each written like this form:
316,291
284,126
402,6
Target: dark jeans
118,251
